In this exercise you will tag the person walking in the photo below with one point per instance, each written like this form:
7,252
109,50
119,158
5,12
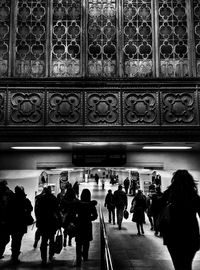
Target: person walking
126,184
156,208
182,236
86,212
120,200
48,221
110,204
68,211
6,196
139,202
20,208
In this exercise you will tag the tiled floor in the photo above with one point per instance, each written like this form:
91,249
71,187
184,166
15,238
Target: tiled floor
129,251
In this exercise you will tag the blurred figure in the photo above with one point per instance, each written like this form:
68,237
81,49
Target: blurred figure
76,188
110,204
6,196
149,209
69,215
86,212
139,202
156,207
182,235
96,177
120,200
126,184
20,208
48,221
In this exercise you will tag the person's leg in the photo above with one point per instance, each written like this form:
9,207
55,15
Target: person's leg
78,253
65,238
113,215
69,240
43,247
181,258
37,238
86,246
138,228
51,246
16,245
109,215
120,217
142,229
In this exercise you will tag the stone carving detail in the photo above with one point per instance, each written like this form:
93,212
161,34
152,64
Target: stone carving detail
64,108
137,23
4,36
179,109
140,109
102,109
2,108
173,38
31,38
26,108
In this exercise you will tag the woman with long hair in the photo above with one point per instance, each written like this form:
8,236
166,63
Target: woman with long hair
181,236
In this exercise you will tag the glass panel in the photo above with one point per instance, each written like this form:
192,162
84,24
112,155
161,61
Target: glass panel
66,38
4,36
173,38
31,38
102,38
196,8
137,34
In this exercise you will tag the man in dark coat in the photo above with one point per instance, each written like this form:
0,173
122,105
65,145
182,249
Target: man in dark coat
48,220
120,200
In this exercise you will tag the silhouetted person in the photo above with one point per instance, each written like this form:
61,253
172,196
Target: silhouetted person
156,208
96,177
86,212
48,220
120,200
182,234
110,204
139,202
126,184
6,195
149,209
76,188
20,208
68,212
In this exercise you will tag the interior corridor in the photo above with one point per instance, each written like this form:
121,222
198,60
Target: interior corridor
128,250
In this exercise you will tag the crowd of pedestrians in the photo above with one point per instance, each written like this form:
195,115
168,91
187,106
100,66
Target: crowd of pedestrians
75,215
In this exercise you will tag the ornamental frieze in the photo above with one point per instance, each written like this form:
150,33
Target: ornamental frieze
179,108
64,108
26,108
102,108
140,108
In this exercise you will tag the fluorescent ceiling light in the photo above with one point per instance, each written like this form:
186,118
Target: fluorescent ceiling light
167,147
36,147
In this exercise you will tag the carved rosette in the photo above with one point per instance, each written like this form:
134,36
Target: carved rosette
102,109
64,108
179,108
140,109
2,107
26,108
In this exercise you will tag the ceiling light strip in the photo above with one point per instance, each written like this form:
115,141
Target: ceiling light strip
36,147
167,147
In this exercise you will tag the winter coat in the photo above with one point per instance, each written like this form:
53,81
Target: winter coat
20,208
183,229
120,199
48,218
86,212
109,201
139,209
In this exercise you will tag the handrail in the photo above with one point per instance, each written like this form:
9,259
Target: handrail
106,260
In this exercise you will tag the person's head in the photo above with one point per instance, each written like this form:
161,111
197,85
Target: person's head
86,195
182,185
19,191
70,194
3,185
120,187
109,191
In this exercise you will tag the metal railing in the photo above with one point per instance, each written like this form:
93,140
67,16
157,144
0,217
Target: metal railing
106,259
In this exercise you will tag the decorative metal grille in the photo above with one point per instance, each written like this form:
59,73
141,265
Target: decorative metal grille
196,8
173,38
31,38
102,42
66,38
4,36
137,35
